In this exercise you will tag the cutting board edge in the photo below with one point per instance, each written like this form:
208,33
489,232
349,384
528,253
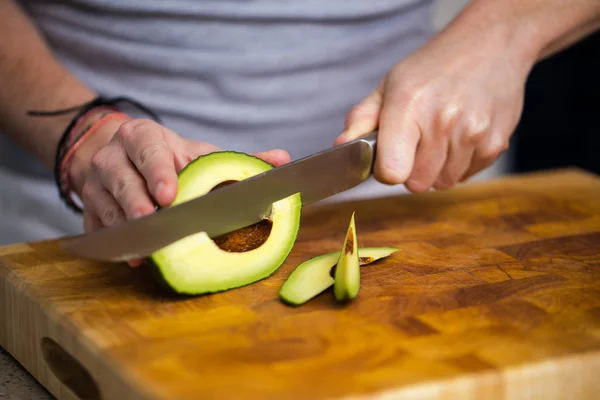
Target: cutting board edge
501,384
51,324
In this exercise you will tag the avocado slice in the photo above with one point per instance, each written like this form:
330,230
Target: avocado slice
347,272
314,276
198,264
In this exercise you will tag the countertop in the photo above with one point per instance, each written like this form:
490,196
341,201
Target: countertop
16,383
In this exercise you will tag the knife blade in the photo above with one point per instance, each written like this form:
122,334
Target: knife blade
234,206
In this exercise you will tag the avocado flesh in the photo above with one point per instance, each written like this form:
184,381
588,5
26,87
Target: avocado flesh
198,264
313,276
347,272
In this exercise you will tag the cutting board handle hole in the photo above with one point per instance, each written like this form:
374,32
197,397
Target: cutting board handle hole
69,371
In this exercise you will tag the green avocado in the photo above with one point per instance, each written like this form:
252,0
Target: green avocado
314,276
198,264
347,272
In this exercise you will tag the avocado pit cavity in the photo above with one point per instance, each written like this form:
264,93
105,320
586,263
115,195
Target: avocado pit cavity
243,239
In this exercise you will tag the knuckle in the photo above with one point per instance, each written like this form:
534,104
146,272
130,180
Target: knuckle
476,128
129,129
119,188
148,152
108,215
98,161
447,119
475,137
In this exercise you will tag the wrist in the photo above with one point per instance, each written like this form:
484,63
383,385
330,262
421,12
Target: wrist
535,29
503,30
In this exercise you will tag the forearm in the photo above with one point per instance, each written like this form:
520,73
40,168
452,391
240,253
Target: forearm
32,79
534,29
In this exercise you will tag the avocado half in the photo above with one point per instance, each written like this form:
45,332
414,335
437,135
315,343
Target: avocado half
198,264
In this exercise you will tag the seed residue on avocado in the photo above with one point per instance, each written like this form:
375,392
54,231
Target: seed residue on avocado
350,242
245,239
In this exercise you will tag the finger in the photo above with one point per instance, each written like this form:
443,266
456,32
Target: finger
432,151
457,162
430,157
145,144
362,118
101,205
398,138
274,157
91,222
485,155
467,136
120,178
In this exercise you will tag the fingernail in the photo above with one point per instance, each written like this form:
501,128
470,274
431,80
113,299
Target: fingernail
159,188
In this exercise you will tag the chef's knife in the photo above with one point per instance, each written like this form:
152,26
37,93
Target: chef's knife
234,206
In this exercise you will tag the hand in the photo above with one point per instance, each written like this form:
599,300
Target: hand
444,113
127,168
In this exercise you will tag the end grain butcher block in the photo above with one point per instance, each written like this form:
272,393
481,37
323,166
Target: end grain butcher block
494,295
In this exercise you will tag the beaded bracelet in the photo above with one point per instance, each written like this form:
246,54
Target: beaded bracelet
68,141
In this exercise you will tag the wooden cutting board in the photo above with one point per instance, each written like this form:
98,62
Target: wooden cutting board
495,295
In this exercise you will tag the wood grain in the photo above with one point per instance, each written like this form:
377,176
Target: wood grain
495,295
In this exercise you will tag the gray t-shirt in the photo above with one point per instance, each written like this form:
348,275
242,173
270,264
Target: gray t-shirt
243,75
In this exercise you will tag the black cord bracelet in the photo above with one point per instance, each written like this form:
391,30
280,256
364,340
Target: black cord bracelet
62,148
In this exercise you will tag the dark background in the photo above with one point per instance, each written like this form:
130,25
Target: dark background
560,124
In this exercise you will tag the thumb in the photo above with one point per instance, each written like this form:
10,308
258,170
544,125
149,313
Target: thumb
363,118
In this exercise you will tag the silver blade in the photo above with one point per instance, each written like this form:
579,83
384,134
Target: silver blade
232,207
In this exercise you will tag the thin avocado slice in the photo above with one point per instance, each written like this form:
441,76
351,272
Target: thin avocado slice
347,272
313,276
198,264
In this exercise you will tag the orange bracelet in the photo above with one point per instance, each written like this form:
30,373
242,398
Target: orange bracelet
66,161
81,120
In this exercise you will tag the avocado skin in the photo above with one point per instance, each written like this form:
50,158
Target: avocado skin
158,276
